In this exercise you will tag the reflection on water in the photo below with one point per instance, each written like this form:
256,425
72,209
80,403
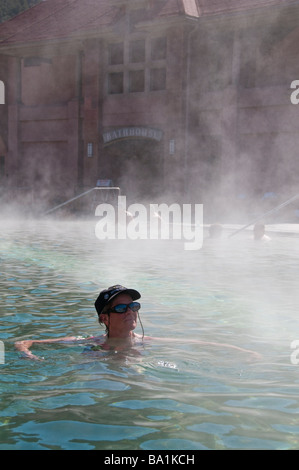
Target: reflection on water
174,395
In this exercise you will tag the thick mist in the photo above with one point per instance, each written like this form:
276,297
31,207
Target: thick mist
237,154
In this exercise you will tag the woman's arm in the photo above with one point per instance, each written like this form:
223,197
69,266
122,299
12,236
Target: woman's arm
253,354
24,346
231,346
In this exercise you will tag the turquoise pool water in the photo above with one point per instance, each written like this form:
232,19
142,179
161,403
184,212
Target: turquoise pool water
163,396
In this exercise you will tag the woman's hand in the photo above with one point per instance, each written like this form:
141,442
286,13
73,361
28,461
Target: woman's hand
23,347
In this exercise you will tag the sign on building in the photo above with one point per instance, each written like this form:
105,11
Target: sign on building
132,133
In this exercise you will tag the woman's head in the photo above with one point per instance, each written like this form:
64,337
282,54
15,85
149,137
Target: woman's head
118,311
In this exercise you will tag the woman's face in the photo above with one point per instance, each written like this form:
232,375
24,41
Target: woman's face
120,325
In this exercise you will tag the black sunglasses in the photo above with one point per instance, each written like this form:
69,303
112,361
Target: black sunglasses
123,308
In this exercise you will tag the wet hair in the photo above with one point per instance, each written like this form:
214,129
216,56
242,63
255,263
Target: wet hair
105,311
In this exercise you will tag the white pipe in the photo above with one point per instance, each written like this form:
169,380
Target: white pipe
67,202
266,213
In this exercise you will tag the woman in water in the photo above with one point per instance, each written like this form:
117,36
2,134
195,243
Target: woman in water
118,310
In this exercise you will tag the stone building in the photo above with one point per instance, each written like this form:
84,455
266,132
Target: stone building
184,100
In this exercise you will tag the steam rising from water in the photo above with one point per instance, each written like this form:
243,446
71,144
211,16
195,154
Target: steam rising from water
232,290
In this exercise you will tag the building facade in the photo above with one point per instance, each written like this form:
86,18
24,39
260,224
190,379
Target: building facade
185,100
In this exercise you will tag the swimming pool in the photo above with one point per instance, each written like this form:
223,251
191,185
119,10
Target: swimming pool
164,396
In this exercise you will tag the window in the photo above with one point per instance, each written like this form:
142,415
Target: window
116,83
2,92
116,54
136,80
158,48
137,51
158,79
90,149
137,65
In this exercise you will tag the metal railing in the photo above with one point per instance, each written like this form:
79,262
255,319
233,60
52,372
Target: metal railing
69,201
